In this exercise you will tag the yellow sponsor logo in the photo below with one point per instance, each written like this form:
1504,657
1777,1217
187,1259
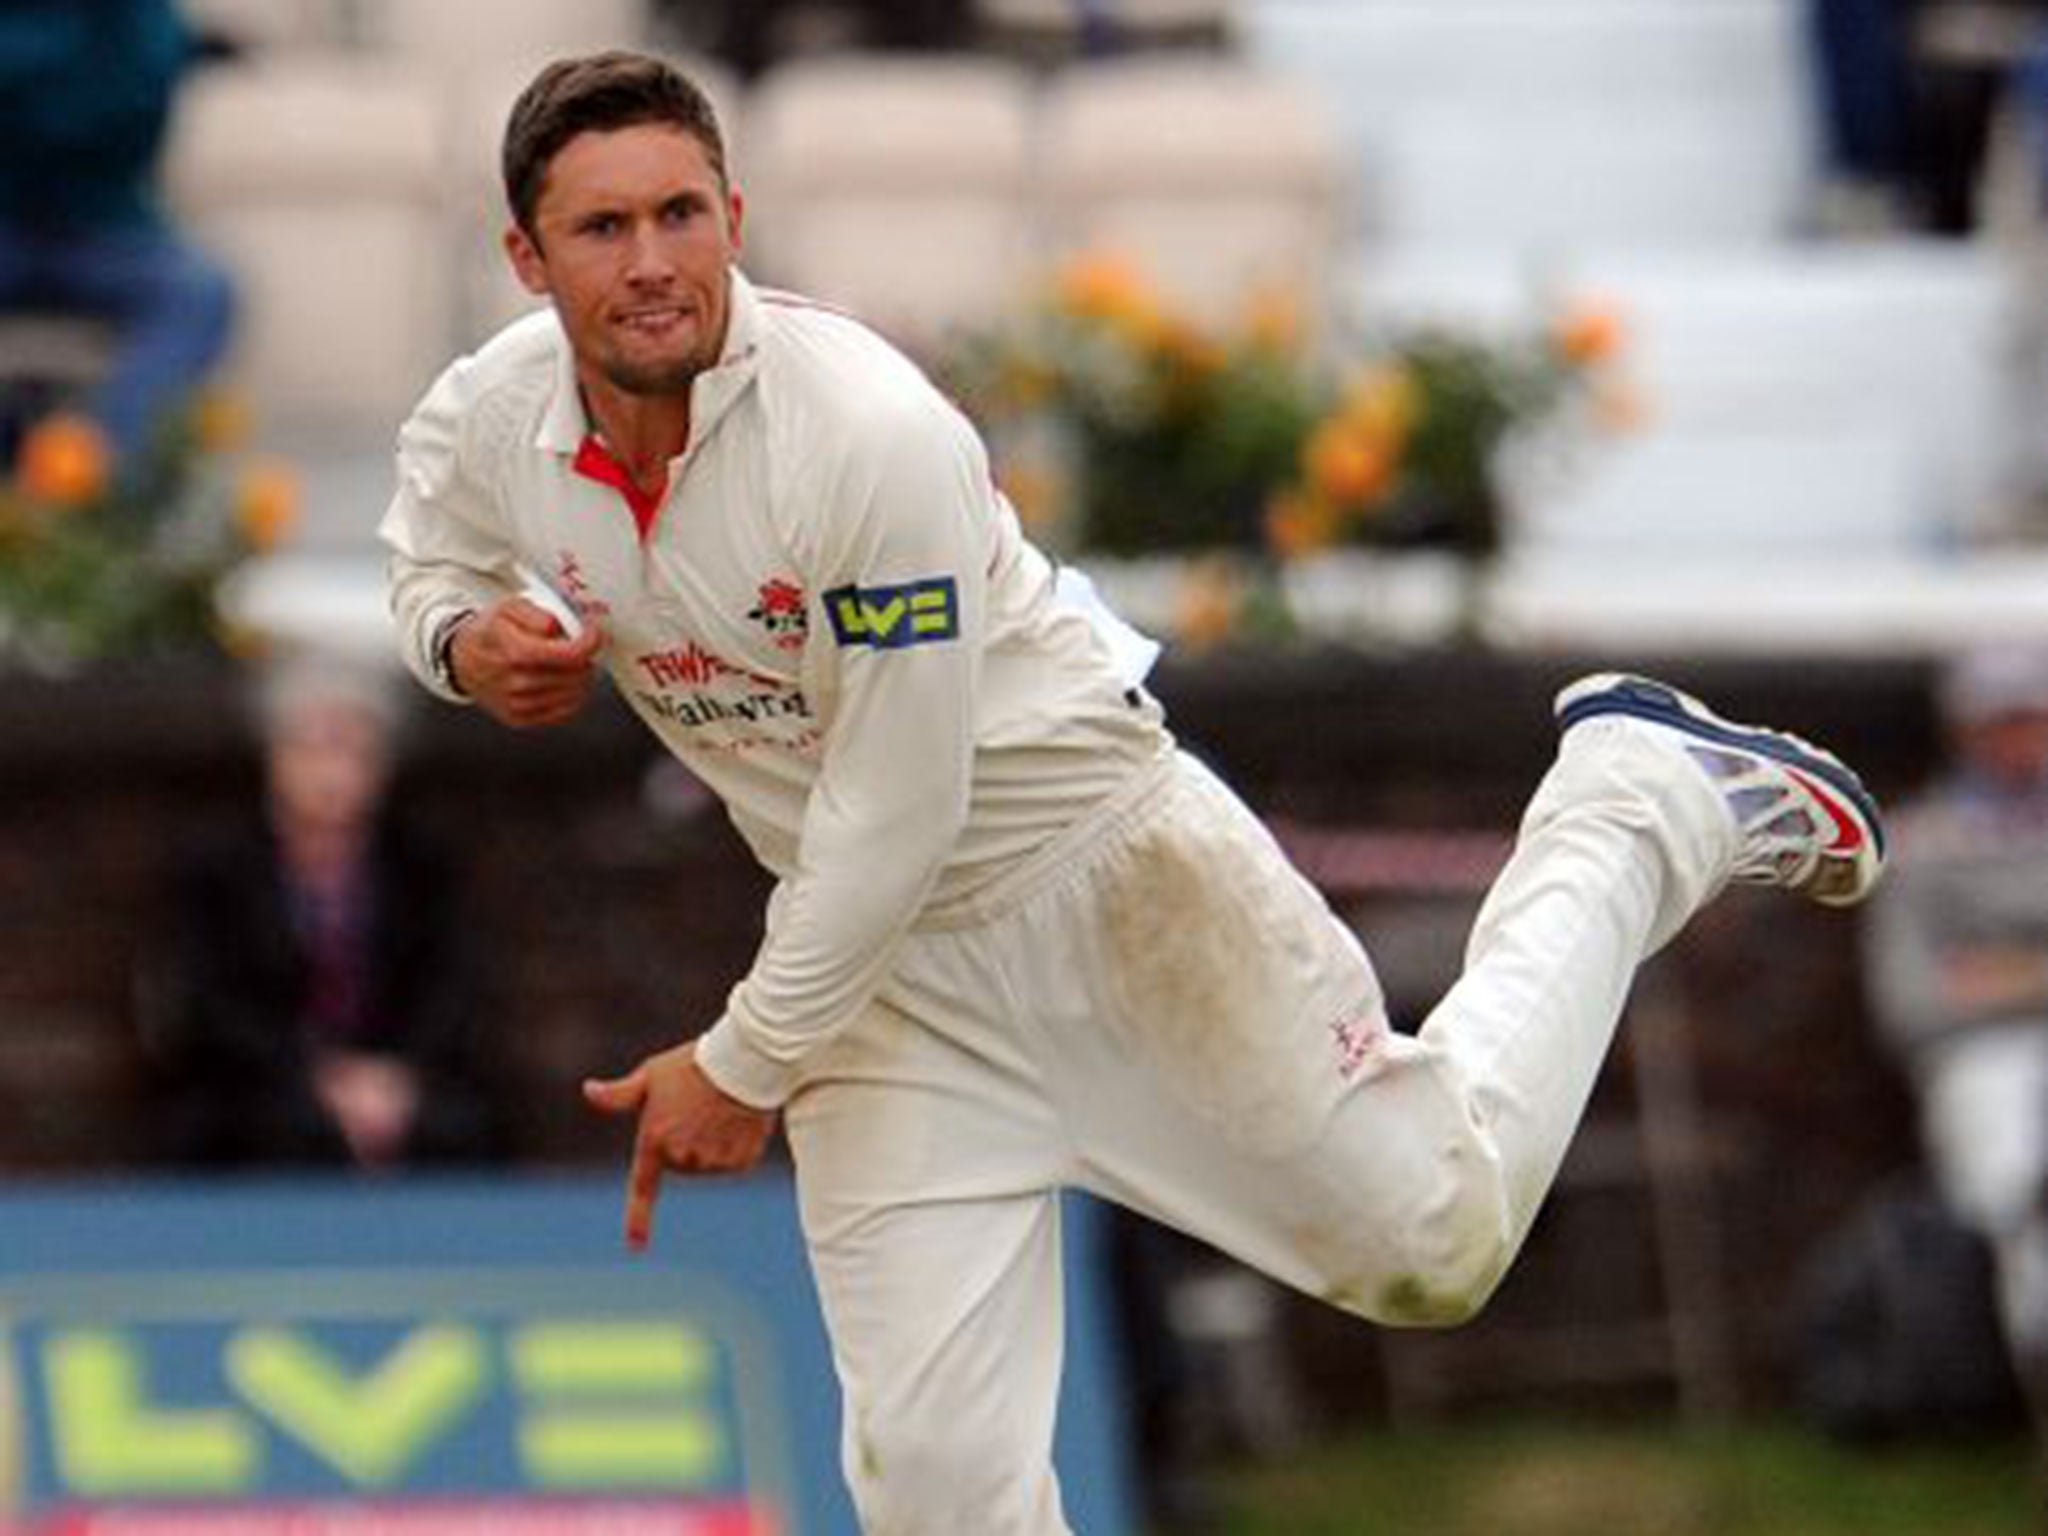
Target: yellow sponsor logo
889,618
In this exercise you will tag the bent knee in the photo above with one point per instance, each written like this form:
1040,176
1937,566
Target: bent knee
1441,1267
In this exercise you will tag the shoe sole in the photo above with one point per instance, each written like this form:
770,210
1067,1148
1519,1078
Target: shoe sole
1645,698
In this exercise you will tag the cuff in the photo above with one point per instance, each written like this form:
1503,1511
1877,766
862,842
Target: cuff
742,1069
436,674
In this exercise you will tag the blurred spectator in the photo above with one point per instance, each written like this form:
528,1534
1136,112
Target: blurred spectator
751,35
1957,956
315,1004
86,89
1908,91
1860,50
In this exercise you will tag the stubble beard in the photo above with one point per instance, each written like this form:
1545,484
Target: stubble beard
653,379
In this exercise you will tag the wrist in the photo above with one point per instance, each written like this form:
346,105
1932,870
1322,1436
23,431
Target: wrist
442,651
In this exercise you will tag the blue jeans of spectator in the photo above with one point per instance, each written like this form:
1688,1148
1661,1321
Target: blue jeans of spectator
1863,69
169,307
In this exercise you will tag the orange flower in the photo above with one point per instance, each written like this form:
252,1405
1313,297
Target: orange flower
1185,349
1383,404
1298,524
1346,467
267,504
64,459
221,420
1105,286
1589,333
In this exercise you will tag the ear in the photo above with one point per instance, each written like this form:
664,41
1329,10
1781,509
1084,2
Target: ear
735,209
527,262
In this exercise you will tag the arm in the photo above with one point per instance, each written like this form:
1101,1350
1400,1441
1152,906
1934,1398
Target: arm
449,554
885,812
463,629
904,585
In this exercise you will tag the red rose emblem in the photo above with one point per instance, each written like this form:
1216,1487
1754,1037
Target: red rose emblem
781,597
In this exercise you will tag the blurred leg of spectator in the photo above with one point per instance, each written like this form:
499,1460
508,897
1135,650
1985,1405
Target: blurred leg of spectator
171,305
926,25
752,34
1952,111
1863,74
746,34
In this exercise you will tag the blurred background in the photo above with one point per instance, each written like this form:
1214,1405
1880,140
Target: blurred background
1394,361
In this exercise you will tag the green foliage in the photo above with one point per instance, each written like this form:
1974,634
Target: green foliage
1184,437
96,564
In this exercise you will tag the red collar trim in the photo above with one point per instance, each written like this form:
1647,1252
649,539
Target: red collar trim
594,461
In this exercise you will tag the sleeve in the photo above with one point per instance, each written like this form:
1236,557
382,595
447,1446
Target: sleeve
449,553
902,576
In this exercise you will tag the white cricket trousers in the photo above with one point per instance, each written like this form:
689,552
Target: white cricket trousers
1161,1010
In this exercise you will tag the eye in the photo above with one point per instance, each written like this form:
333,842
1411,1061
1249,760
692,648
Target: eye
600,224
682,209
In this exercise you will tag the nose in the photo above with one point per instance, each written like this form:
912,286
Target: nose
648,260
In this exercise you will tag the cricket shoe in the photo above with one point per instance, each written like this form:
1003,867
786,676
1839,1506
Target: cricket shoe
1805,819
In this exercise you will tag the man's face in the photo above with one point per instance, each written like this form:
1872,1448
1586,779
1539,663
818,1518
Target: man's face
633,235
328,764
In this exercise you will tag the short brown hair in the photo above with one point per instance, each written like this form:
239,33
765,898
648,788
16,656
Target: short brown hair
600,92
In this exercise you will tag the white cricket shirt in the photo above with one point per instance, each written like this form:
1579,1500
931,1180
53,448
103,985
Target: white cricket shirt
830,617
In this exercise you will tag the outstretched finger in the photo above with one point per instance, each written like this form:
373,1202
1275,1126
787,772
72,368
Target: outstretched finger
616,1095
643,1189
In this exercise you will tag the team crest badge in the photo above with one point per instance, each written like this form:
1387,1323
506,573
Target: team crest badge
780,610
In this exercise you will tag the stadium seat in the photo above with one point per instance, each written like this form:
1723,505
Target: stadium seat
1501,122
1852,402
1730,497
266,25
320,182
457,36
1059,29
897,186
1845,398
1219,179
1577,176
1897,342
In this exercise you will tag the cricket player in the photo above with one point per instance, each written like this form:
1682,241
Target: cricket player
1018,940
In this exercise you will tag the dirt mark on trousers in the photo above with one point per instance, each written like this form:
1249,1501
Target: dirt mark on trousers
1214,971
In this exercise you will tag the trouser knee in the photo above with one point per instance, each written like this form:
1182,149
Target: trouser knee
1440,1260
